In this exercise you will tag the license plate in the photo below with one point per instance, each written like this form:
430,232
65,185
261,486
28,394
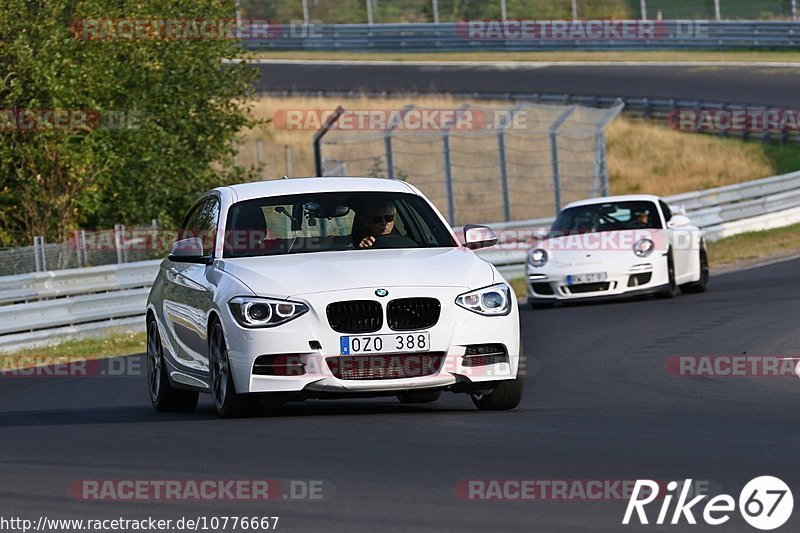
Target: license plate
586,278
394,343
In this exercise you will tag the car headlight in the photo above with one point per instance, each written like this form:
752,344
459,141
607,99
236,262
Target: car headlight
537,258
254,312
491,301
643,247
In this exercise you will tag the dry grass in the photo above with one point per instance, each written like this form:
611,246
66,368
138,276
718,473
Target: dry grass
758,246
642,157
648,158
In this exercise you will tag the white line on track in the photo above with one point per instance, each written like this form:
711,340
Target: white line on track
511,65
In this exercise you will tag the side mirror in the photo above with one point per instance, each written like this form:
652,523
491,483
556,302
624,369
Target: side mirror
541,234
189,250
678,221
479,236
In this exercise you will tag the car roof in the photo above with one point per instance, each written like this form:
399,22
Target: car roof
281,187
621,198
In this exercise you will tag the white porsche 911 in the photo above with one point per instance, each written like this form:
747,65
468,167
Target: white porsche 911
328,288
613,246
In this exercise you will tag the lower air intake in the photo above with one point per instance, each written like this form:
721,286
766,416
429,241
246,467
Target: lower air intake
395,366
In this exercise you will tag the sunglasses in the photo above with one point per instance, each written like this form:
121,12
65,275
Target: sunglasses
381,218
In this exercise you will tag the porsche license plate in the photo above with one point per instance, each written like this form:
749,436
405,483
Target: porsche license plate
404,343
586,278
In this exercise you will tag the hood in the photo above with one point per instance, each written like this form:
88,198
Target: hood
285,276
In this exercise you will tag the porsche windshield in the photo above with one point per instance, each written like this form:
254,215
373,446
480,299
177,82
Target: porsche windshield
318,222
609,216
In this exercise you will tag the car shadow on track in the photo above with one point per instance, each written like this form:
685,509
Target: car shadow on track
139,414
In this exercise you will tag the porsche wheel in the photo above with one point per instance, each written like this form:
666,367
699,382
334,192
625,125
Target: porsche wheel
670,289
700,285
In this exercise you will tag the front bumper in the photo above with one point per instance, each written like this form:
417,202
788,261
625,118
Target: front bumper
640,276
308,342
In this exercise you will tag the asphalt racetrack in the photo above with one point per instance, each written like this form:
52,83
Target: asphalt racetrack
600,405
776,86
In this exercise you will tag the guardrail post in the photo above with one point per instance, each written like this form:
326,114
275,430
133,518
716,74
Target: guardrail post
119,243
260,151
76,238
287,156
82,247
369,12
501,149
38,254
329,122
554,155
794,10
644,9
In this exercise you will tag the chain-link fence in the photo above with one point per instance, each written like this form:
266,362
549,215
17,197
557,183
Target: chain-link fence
88,248
726,9
479,164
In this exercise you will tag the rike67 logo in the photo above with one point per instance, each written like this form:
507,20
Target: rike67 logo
765,503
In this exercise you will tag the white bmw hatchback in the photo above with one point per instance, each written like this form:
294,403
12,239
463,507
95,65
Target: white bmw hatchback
328,288
617,246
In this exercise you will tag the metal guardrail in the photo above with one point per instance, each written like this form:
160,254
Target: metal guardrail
510,36
721,212
41,308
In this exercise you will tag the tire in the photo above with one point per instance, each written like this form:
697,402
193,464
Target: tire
670,290
163,395
505,396
227,402
700,285
419,396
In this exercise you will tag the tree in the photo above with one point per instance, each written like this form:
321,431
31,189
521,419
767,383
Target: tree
160,113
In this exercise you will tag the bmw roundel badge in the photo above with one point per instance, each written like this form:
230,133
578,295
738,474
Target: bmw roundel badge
381,292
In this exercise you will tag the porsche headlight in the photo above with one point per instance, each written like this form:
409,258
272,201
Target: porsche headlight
255,312
643,247
537,258
491,301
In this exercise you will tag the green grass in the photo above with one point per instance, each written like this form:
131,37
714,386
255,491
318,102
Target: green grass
784,158
90,348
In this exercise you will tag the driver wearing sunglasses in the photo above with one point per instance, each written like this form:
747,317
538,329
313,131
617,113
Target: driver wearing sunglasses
377,221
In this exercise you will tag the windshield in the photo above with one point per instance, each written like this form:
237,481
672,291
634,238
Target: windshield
319,222
610,216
